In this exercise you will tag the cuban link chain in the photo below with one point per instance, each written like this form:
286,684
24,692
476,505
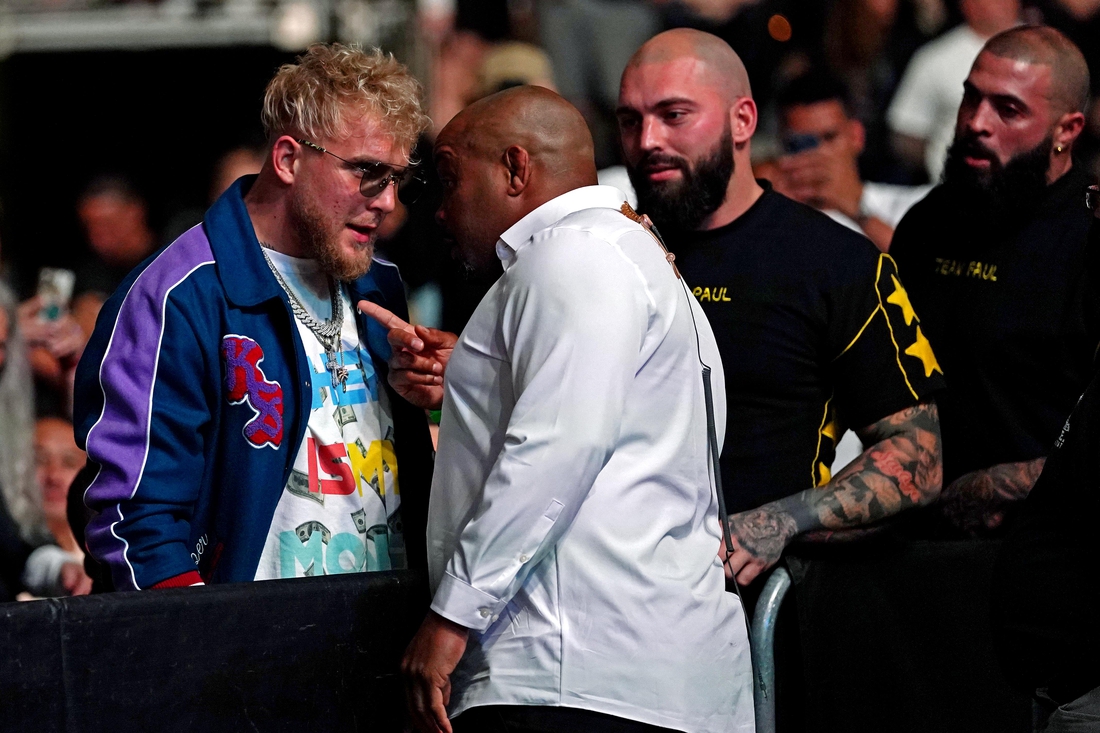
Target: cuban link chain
328,332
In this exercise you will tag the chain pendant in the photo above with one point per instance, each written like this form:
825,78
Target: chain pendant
338,371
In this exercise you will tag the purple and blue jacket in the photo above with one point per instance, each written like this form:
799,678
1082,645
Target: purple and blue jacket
193,397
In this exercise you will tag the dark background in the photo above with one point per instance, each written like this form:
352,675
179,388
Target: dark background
162,117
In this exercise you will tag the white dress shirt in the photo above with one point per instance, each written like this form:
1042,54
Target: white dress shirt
573,525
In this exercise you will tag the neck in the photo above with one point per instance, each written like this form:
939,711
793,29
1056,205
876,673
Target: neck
268,205
133,249
1059,166
742,192
61,532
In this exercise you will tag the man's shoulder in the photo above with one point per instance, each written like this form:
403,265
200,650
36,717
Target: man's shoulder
934,213
811,236
958,43
600,222
186,260
586,249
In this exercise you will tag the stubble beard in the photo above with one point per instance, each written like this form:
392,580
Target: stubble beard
1004,193
683,205
320,243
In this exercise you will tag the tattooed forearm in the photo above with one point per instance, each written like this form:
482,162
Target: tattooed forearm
976,502
901,468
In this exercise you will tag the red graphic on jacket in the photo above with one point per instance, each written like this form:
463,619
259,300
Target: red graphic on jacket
246,381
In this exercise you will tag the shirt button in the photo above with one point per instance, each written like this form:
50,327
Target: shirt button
523,558
484,612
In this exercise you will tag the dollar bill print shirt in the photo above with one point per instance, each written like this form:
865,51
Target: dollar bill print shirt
340,509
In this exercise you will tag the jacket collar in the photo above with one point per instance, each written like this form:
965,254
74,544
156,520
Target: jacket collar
519,235
241,266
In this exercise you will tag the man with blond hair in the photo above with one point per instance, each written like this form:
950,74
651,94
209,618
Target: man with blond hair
235,403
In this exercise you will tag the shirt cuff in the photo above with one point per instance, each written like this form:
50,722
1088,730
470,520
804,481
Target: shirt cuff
464,604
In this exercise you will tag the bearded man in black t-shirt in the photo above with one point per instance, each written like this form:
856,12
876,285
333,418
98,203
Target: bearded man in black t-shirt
997,265
815,329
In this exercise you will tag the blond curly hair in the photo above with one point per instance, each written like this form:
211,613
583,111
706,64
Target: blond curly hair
332,85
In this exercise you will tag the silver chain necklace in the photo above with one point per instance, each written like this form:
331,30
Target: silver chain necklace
327,332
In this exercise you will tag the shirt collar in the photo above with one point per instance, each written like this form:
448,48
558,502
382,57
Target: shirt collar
519,235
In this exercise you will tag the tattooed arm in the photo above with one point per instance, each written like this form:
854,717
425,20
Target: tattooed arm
900,469
976,502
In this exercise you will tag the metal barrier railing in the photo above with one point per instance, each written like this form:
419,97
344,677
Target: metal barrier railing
763,648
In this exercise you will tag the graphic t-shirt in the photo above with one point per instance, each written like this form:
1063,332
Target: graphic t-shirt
340,510
1013,312
817,335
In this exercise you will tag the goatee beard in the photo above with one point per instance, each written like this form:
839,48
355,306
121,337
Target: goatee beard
321,245
1005,193
683,205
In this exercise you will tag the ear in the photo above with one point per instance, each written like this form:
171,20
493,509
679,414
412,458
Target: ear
517,162
1068,129
284,158
857,133
743,117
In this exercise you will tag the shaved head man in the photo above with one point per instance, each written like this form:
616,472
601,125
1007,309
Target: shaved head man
996,261
573,515
797,306
688,158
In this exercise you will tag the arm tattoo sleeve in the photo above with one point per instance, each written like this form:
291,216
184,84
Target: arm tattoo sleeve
975,502
901,468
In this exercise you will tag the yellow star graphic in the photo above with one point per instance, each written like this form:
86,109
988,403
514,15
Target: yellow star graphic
922,350
900,298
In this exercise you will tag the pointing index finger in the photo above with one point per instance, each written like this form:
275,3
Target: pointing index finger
383,316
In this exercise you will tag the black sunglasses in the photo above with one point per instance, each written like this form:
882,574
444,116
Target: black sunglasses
377,176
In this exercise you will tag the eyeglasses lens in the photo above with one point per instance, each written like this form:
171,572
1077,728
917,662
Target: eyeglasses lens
377,178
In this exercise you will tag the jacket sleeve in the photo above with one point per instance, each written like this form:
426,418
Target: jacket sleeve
143,413
574,336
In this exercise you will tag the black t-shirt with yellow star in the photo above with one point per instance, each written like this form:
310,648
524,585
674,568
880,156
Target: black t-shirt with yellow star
816,335
1012,311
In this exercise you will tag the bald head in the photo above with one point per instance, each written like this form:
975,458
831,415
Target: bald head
1044,46
550,129
718,65
503,157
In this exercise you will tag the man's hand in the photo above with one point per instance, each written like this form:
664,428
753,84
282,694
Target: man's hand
431,657
419,359
824,180
759,537
975,502
75,580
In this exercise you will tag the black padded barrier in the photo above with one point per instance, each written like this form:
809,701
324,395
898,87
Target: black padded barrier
896,637
316,654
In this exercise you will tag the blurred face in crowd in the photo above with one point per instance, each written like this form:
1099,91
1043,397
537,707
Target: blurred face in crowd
231,166
827,121
677,140
116,227
334,222
57,460
988,17
1003,136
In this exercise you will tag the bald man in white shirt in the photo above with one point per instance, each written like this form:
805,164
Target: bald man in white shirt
573,530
